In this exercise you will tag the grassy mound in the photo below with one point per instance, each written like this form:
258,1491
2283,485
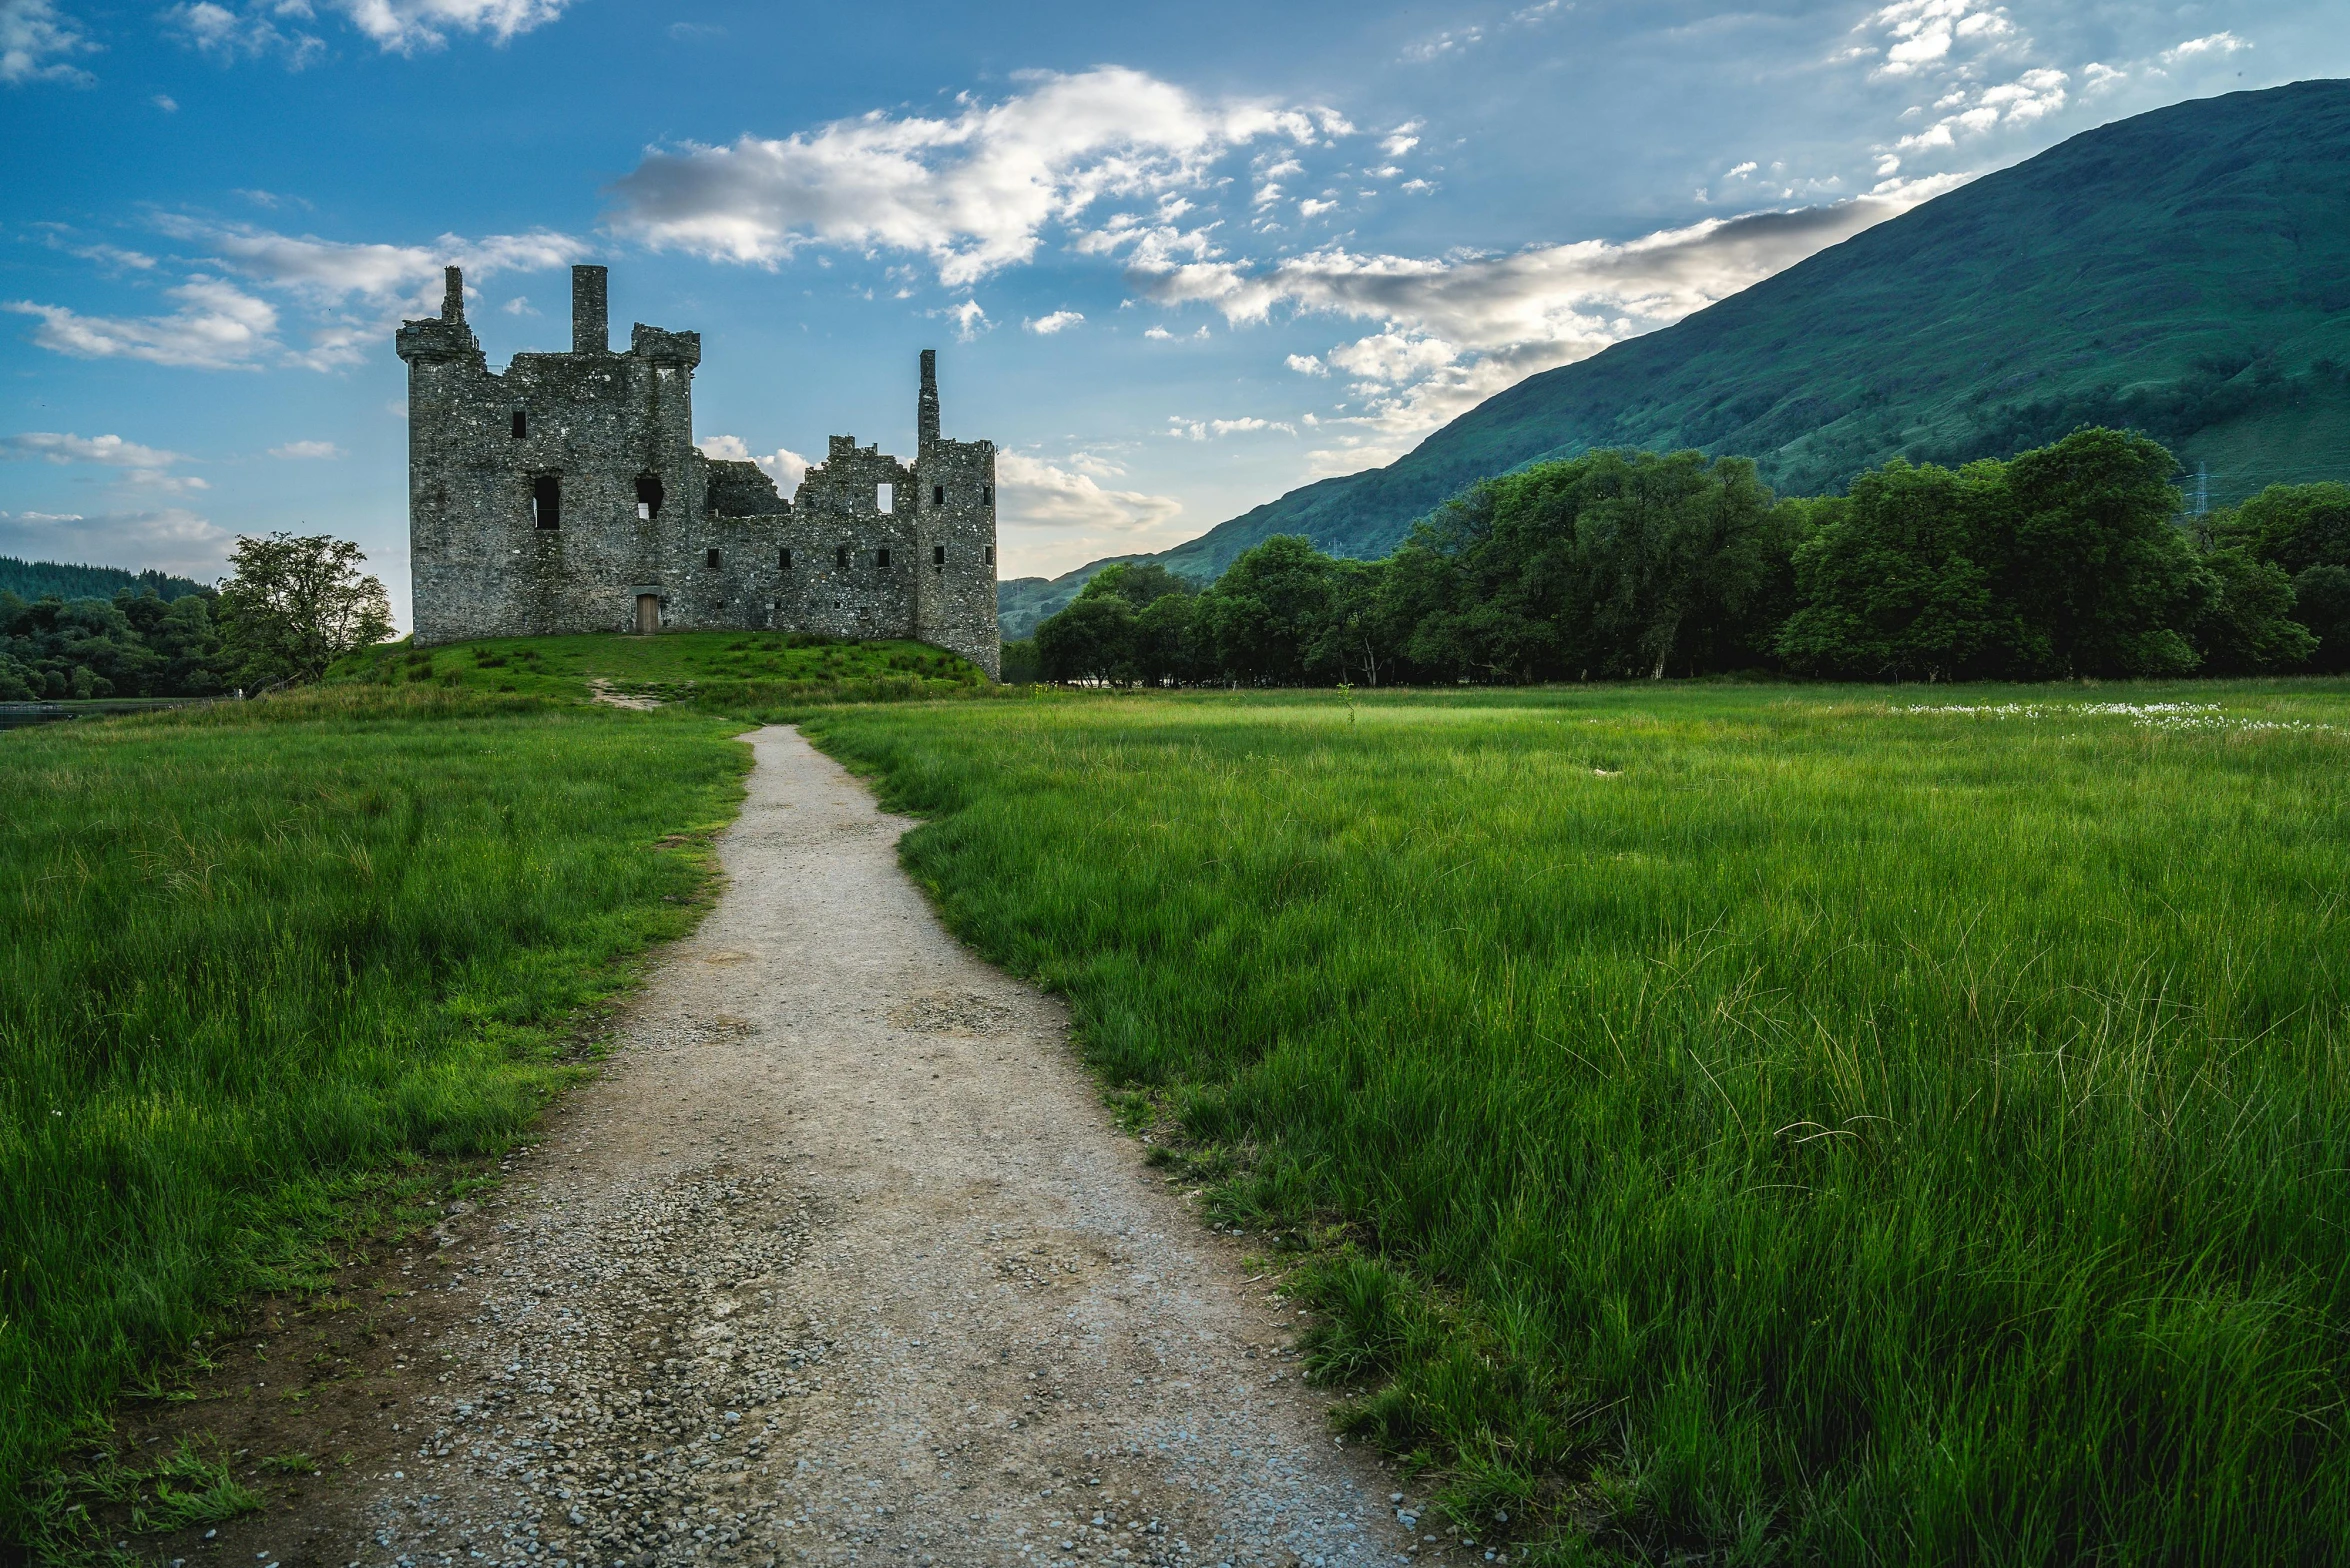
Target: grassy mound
1766,1124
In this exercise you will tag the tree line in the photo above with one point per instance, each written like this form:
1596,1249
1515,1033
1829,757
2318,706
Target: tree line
290,606
2073,559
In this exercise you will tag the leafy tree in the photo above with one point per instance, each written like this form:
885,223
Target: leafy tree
1139,583
2247,626
1890,581
2090,563
1263,616
1167,640
293,604
1019,662
2304,529
1092,639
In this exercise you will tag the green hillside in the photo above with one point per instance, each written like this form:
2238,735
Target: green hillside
54,579
2185,272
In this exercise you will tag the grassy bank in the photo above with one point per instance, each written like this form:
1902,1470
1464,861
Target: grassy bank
715,672
258,954
1781,1125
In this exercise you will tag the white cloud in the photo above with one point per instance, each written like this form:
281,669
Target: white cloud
142,467
1306,365
973,191
783,465
1402,139
1059,320
1456,41
519,305
2215,45
1454,330
1157,334
1204,429
2034,94
1923,33
264,27
217,327
171,539
969,319
166,102
355,294
300,450
1742,170
36,44
1055,517
1314,208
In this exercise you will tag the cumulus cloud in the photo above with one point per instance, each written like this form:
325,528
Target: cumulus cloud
2034,94
783,465
1207,429
270,27
217,327
1059,320
353,294
1922,33
1056,516
37,44
1454,330
143,467
1455,41
297,451
170,538
973,191
2212,46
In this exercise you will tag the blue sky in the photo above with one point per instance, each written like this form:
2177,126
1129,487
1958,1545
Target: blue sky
1177,259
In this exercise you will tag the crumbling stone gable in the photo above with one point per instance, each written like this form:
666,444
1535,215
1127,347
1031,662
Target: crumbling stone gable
566,495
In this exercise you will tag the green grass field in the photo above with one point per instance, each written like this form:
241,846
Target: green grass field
258,956
1771,1124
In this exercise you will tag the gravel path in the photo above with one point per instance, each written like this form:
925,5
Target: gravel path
843,1261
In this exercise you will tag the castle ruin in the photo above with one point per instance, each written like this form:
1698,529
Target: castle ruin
567,495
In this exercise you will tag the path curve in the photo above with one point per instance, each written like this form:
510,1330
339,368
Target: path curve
843,1261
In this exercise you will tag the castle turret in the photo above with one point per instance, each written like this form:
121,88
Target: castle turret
591,330
926,409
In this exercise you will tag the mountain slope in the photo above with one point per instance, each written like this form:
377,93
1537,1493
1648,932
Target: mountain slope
2186,272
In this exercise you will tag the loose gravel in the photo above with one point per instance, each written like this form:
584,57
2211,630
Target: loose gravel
842,1261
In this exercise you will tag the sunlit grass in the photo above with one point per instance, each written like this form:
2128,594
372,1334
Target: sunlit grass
255,955
1772,1123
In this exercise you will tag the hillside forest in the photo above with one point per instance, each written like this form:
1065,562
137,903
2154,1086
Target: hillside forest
2070,560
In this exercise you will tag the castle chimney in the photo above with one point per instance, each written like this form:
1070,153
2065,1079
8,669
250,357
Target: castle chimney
453,296
926,412
591,333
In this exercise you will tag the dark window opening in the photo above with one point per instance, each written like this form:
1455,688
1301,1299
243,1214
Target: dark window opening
783,560
938,555
987,554
881,559
710,500
649,494
938,495
710,559
987,495
521,424
840,557
546,500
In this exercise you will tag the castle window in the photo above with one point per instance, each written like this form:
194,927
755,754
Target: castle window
783,561
649,495
711,558
546,500
987,495
938,495
521,424
987,554
938,555
885,498
840,558
881,559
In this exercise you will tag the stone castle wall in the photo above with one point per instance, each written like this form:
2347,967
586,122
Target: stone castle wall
566,495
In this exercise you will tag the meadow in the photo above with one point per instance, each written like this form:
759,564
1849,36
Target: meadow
1767,1123
261,959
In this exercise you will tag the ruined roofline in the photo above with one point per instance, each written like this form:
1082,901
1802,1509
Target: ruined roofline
448,336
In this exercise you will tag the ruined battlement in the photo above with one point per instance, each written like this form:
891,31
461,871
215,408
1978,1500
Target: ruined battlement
565,494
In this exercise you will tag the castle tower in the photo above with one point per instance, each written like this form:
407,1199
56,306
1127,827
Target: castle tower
954,535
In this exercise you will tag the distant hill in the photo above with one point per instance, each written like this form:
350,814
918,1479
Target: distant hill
2184,272
42,579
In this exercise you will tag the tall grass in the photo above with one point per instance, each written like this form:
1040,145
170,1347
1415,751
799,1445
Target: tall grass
253,953
1777,1126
